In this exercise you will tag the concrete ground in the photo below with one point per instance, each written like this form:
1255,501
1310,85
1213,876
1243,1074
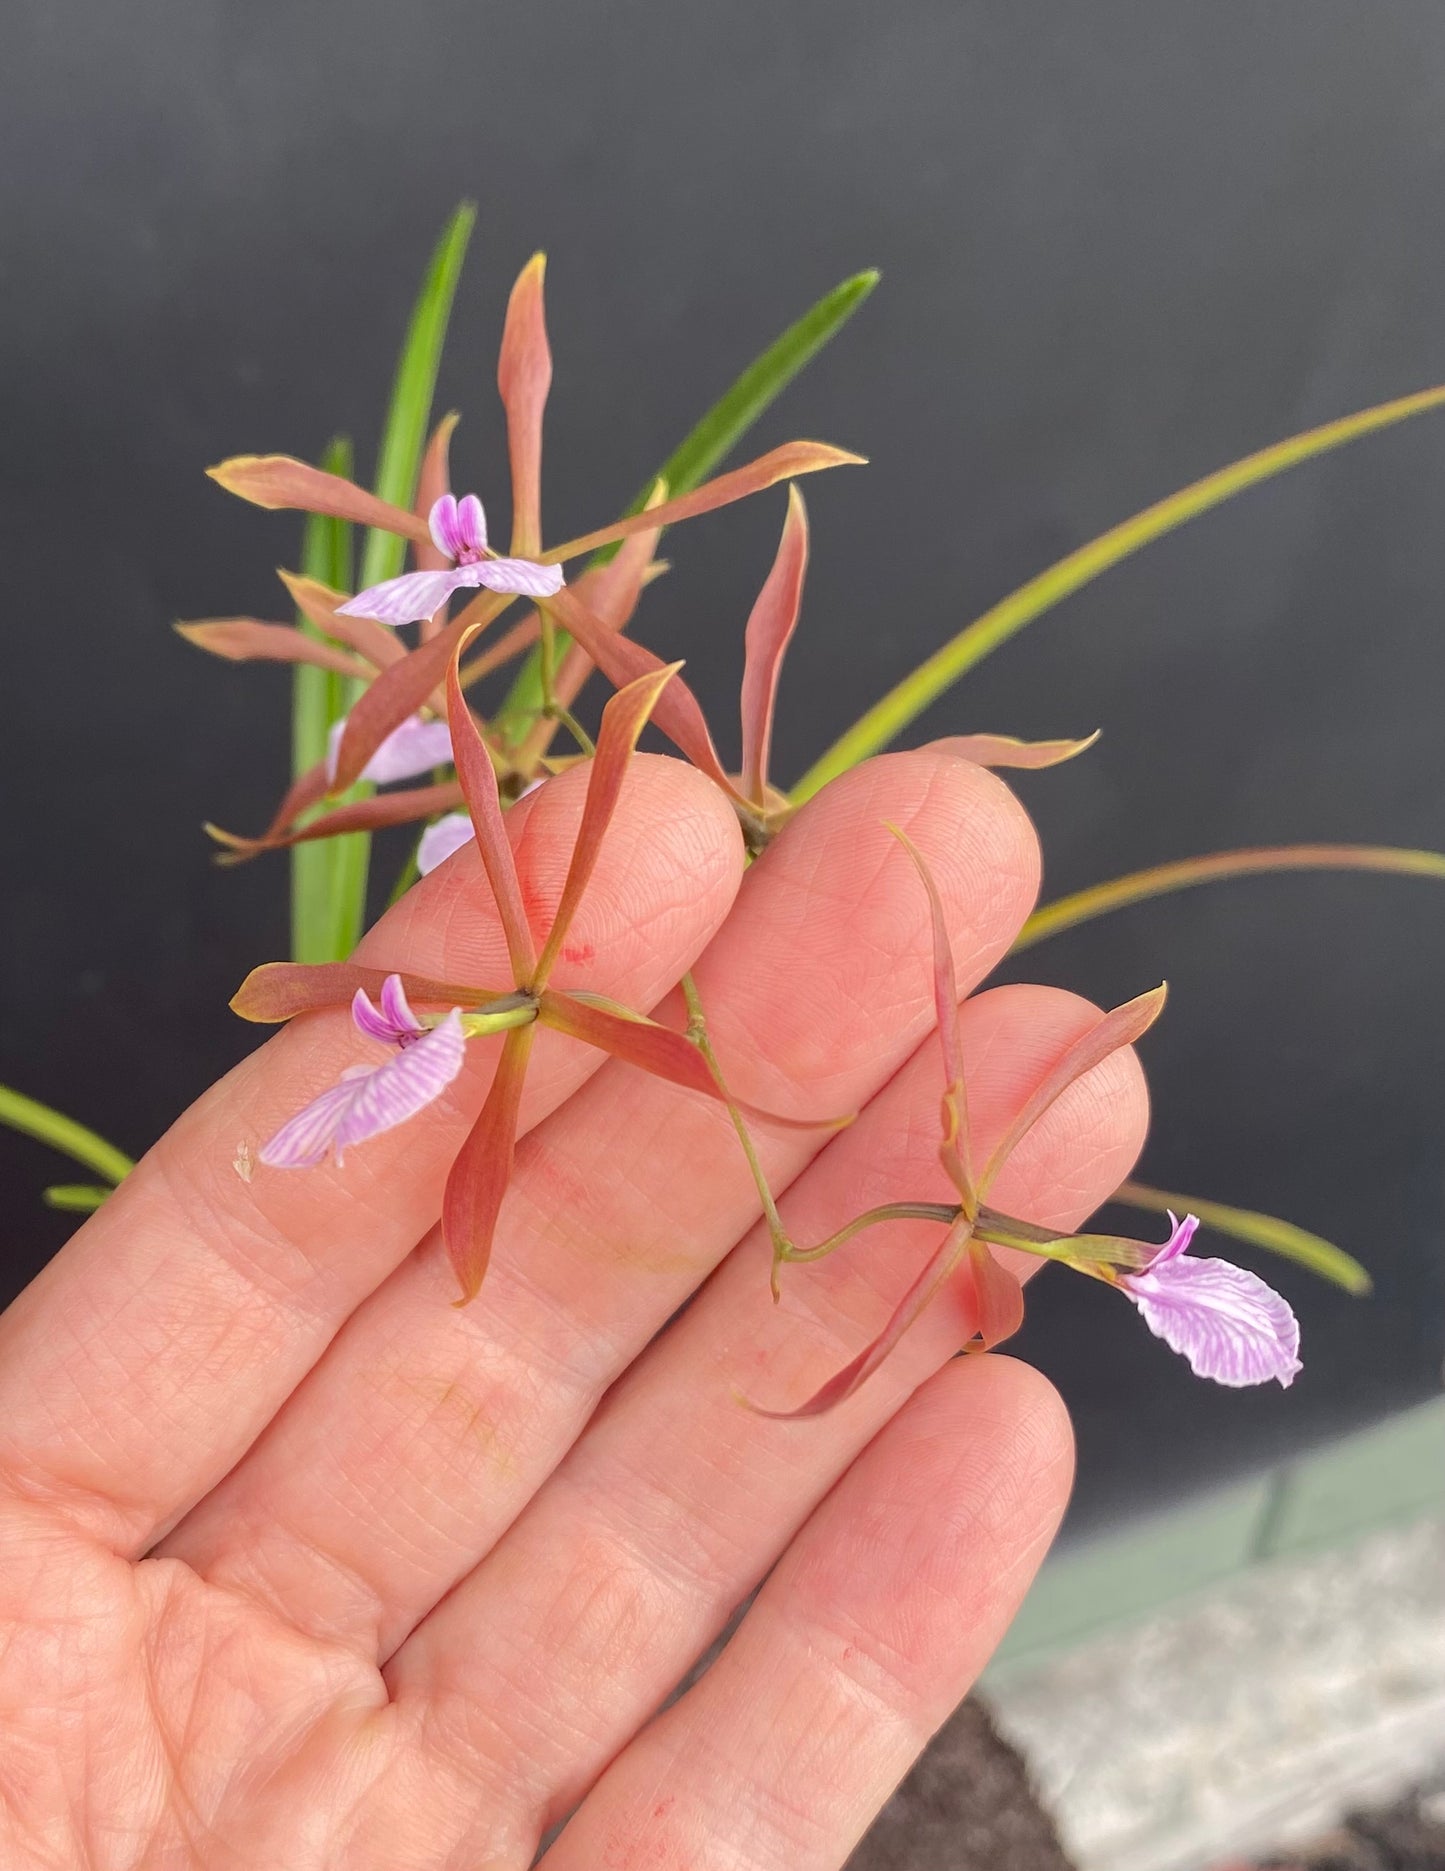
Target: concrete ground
1248,1720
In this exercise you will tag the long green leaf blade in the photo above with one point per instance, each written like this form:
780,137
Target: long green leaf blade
728,421
319,700
398,464
1259,1230
1187,873
714,437
887,719
80,1198
47,1125
408,417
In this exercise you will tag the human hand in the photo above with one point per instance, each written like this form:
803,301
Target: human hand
302,1566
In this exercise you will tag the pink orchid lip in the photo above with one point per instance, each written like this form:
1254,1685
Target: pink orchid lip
1228,1324
372,1099
459,530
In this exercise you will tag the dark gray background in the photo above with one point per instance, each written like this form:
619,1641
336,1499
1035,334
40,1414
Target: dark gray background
1123,243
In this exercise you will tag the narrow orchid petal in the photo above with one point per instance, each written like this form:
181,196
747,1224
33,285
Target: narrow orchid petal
393,1021
1228,1324
478,1180
951,1252
433,481
779,464
303,793
369,1020
623,720
770,629
660,1050
610,591
522,576
321,606
396,1008
633,1038
439,841
1181,1233
471,525
1002,750
998,1299
955,1152
1120,1028
281,481
399,691
524,376
478,780
247,640
417,746
367,1103
279,990
442,525
521,636
382,809
678,712
405,600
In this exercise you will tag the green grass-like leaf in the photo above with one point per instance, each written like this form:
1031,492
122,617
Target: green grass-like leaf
329,932
63,1133
319,907
709,442
887,719
80,1198
1267,1231
1220,866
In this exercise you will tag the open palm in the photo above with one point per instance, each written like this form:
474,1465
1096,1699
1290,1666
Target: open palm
301,1566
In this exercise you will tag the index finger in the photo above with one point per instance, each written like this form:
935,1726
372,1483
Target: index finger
152,1351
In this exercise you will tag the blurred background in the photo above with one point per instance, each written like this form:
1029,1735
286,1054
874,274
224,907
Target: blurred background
1122,245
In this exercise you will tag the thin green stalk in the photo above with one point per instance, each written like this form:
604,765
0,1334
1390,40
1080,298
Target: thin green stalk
698,1034
945,1212
47,1125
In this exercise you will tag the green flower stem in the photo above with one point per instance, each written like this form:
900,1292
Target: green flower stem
945,1212
520,1010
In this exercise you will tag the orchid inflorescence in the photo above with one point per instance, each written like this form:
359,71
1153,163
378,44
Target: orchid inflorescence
413,718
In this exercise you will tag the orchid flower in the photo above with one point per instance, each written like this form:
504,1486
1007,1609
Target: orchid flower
1226,1322
459,532
524,374
372,1099
371,1102
439,841
417,746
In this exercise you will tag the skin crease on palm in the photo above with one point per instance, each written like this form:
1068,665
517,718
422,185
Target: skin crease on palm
302,1566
